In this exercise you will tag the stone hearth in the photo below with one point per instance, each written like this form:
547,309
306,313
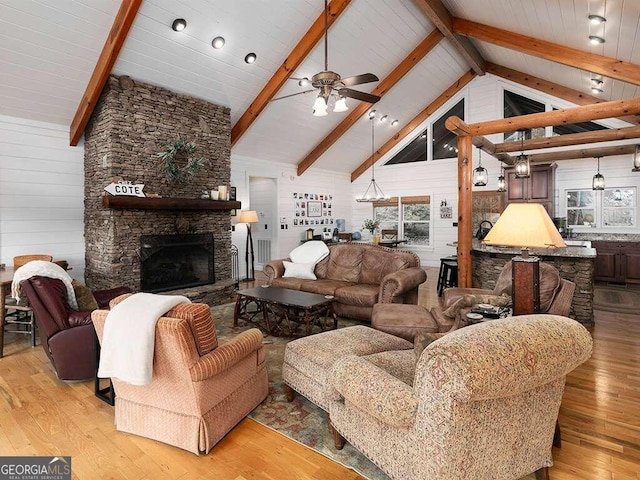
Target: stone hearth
132,122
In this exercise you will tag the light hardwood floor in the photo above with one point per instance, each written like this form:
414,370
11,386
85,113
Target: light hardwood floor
600,420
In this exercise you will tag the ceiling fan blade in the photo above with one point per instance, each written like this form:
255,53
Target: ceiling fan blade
293,94
359,79
362,96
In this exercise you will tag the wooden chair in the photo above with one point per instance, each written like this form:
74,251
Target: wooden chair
20,313
389,234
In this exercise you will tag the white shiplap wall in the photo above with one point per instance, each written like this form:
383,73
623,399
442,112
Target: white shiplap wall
313,181
41,192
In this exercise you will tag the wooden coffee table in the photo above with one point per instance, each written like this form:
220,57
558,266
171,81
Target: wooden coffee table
284,312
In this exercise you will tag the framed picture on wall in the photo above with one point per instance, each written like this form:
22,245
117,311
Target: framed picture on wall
314,209
232,194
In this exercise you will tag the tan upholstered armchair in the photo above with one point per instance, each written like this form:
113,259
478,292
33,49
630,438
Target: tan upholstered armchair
483,402
200,390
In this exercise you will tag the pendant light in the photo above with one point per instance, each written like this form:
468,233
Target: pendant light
636,160
502,184
373,193
480,174
598,178
522,167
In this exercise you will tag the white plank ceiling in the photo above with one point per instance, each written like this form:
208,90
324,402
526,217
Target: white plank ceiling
48,49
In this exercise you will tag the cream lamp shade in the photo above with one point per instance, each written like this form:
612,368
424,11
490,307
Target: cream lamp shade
248,216
525,225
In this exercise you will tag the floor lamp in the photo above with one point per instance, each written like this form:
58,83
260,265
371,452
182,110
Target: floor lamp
525,225
249,217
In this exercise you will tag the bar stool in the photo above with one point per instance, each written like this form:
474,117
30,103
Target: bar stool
448,274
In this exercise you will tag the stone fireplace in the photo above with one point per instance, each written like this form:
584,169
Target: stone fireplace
130,125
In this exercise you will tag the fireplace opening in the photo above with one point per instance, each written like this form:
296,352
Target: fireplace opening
170,262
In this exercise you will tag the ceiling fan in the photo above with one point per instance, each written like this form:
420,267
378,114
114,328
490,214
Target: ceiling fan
331,85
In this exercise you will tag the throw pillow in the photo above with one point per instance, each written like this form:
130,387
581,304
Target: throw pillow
422,340
84,297
471,300
299,270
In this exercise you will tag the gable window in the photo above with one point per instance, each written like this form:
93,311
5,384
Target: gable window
411,216
445,142
416,151
516,105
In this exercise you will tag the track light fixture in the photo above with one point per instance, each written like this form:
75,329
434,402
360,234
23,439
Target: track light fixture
218,43
598,178
596,19
480,174
394,123
596,40
179,24
372,113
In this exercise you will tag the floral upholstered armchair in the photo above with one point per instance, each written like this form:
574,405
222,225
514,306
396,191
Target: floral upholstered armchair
483,402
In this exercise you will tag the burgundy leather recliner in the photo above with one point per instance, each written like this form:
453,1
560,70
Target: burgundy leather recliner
67,335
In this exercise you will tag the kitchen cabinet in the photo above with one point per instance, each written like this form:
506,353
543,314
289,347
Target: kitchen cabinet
617,262
538,187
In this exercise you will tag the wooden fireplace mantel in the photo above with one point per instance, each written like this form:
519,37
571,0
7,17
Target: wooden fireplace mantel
146,203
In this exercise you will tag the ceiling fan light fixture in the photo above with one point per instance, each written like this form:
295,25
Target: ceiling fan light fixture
320,107
218,42
250,58
179,24
341,105
596,19
596,40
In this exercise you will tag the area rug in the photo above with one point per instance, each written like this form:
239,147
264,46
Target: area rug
617,299
300,420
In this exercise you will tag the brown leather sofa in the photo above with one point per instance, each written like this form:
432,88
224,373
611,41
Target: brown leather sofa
358,276
67,335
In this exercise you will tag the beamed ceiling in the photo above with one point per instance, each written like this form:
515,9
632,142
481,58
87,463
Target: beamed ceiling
56,54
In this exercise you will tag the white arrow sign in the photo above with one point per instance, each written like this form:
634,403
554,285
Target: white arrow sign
125,189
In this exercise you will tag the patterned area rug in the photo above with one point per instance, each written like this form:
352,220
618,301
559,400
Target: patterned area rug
300,420
617,299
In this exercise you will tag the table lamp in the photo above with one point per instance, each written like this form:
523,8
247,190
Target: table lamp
249,217
525,225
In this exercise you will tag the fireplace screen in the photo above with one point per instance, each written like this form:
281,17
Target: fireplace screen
171,262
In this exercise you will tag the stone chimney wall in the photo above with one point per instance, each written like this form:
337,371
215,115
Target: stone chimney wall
132,123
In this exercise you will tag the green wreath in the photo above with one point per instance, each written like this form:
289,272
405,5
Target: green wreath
179,162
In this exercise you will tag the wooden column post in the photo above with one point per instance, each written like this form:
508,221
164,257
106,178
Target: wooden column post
465,164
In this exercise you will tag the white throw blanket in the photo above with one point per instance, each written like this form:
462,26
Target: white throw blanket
43,269
129,333
309,252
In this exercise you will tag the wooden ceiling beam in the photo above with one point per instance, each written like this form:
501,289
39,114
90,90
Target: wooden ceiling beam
383,87
415,122
550,88
599,64
112,46
586,113
443,21
288,67
582,153
489,147
570,139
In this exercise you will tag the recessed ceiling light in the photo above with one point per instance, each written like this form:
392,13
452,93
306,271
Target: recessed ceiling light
179,24
217,42
250,57
596,40
597,19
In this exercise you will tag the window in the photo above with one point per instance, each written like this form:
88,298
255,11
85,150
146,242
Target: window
445,143
613,207
516,105
416,151
411,216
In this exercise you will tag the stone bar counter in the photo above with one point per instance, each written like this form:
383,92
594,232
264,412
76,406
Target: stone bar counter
573,263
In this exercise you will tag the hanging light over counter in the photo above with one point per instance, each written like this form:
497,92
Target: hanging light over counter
522,167
480,174
598,178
